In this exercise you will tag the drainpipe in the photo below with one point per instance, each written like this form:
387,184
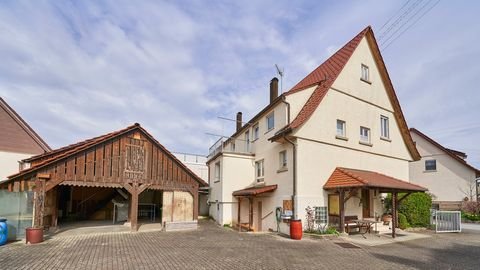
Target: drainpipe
294,171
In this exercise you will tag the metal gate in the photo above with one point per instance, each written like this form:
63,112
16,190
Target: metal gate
446,221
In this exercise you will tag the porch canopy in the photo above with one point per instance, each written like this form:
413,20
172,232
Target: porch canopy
348,180
250,193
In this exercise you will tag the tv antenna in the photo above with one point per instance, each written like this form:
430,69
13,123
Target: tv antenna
280,72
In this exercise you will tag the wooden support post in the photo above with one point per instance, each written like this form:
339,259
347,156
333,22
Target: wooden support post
39,202
239,224
341,201
134,189
394,213
250,213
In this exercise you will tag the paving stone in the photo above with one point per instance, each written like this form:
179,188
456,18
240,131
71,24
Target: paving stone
214,247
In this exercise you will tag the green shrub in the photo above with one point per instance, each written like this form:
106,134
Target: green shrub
402,221
416,208
331,230
471,217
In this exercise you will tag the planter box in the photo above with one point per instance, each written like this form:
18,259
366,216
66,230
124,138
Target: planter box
33,235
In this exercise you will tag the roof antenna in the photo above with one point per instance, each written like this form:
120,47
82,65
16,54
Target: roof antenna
280,73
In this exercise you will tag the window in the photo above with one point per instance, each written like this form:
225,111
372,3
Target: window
430,165
341,128
247,141
321,214
333,205
384,130
270,121
365,73
259,170
255,132
217,172
282,159
364,134
233,147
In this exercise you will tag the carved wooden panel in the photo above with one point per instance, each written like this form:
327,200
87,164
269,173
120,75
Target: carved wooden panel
135,159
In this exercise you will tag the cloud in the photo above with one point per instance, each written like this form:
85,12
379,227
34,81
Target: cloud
79,69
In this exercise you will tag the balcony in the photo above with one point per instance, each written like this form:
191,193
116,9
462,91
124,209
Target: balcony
231,145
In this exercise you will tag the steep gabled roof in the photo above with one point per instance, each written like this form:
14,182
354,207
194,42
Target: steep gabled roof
449,152
24,126
68,151
353,178
325,75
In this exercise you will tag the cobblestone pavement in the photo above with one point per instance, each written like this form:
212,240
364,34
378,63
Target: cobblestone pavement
212,247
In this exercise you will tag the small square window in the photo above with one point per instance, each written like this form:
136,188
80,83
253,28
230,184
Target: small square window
364,134
365,73
282,159
259,170
430,165
341,128
384,128
270,121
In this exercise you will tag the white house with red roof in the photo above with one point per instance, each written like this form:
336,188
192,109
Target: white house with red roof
445,172
334,142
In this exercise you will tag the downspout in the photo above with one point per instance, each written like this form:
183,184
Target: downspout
294,170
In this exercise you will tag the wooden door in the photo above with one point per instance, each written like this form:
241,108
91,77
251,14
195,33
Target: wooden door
259,216
366,203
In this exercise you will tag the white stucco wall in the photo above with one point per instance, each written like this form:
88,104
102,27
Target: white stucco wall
9,163
319,151
450,182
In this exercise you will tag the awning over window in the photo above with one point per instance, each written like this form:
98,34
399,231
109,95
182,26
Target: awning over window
353,178
254,191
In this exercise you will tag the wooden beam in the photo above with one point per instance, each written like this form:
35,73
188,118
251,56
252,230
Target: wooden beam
341,201
394,213
43,176
351,193
128,187
142,188
134,210
403,197
250,213
238,214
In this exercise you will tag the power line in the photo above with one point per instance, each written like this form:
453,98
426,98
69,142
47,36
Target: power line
428,10
394,15
405,23
399,19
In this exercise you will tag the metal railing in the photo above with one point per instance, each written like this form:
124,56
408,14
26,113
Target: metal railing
231,145
446,221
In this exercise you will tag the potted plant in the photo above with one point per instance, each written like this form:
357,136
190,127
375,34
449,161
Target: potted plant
34,234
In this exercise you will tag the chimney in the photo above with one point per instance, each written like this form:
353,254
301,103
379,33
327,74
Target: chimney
273,89
239,121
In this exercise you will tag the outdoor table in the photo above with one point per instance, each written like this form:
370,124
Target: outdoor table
365,224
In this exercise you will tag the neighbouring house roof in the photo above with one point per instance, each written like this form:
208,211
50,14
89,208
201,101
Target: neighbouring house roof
451,153
70,150
18,135
325,75
353,178
254,191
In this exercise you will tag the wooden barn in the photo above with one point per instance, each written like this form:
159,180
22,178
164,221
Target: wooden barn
97,178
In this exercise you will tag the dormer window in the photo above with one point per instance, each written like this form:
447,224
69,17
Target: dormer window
365,74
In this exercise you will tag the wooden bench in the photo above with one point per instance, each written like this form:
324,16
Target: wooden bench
349,224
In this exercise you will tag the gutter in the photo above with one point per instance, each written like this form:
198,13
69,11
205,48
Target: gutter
294,193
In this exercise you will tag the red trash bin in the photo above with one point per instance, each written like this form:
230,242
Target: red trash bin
296,231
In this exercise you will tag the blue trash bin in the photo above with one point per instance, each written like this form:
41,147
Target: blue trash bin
3,231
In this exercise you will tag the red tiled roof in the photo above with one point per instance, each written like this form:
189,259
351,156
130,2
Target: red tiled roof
347,178
449,152
73,149
325,75
253,191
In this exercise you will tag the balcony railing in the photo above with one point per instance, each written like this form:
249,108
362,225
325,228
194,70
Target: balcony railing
232,146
